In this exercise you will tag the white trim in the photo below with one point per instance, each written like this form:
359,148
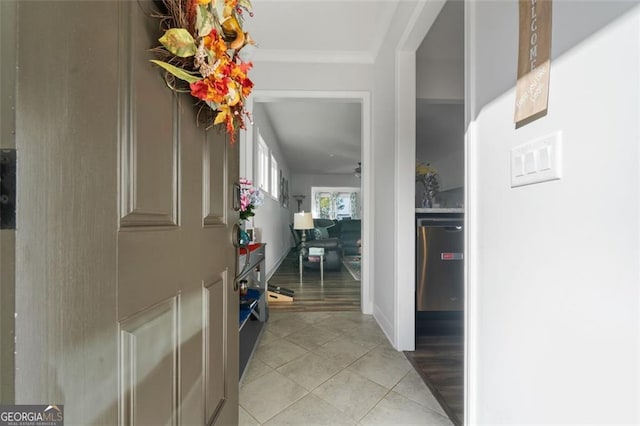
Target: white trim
364,97
384,322
470,273
421,21
383,30
638,177
262,170
422,18
246,146
335,189
274,179
405,157
471,219
469,61
313,57
367,203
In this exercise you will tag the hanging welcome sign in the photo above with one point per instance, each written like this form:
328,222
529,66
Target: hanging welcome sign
534,61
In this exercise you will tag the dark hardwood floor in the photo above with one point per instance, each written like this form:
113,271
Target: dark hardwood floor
440,361
340,291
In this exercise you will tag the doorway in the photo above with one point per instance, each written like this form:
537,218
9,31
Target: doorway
436,56
343,100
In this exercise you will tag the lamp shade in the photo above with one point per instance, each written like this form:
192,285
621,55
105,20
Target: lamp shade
302,220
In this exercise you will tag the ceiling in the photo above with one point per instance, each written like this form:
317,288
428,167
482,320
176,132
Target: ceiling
318,135
439,125
319,31
445,40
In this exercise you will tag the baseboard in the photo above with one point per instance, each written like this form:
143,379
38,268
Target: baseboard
278,263
385,324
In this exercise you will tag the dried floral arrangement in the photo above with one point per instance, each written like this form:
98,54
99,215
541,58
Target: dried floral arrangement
204,51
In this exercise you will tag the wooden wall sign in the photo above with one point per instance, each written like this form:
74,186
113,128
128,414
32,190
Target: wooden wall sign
534,61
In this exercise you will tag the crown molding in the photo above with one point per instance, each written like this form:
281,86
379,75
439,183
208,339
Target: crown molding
314,57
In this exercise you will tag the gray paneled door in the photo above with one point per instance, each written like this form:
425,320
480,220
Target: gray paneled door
124,262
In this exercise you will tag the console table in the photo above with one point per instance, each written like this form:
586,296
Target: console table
254,311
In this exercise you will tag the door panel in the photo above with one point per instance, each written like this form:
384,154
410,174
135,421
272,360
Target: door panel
123,271
148,359
174,244
215,390
214,181
149,138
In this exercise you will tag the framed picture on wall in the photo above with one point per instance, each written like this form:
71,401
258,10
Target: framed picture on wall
281,197
284,191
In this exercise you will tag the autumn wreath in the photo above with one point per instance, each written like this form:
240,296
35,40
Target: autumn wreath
205,47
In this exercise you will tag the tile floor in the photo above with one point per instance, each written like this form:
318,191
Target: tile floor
332,368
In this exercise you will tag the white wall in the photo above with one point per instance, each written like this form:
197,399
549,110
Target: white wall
440,140
296,77
272,219
305,76
384,131
553,290
390,297
441,79
451,170
301,185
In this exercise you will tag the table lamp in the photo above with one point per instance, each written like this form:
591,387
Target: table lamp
303,221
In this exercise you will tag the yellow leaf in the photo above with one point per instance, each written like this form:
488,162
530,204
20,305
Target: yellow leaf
234,96
179,42
178,72
222,115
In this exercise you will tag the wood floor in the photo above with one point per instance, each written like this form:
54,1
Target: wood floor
440,362
340,291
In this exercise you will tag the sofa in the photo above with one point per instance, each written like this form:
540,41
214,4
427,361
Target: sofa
332,248
338,238
350,231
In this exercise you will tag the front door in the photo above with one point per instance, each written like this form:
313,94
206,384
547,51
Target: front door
124,264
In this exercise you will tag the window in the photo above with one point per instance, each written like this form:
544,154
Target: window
262,165
275,182
336,203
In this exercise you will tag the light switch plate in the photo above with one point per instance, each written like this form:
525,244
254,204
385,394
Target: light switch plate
518,166
541,158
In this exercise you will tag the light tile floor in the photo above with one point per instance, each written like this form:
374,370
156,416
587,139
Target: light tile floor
332,368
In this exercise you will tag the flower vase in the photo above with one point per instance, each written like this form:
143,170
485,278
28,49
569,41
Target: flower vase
243,236
427,203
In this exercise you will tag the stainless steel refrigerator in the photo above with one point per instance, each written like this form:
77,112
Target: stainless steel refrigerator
439,263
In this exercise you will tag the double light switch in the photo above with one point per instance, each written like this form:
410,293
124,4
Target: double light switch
537,161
